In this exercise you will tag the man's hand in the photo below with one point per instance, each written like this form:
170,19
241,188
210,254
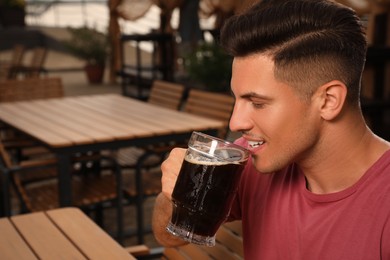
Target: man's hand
170,170
163,206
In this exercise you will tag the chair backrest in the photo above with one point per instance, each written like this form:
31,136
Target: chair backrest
17,55
37,61
228,246
212,105
29,89
16,61
166,94
38,58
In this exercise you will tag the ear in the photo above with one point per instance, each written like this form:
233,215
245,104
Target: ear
332,96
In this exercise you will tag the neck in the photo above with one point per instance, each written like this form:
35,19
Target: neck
344,157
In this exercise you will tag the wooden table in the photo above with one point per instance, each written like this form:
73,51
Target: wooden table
65,233
91,123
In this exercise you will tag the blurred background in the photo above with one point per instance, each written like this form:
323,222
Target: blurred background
132,43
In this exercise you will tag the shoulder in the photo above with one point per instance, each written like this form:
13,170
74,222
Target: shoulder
382,166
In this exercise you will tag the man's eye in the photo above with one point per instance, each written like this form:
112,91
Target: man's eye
258,105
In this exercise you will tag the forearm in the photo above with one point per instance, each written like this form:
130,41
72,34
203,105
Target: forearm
161,216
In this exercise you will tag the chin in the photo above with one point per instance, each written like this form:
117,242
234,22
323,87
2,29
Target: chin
261,168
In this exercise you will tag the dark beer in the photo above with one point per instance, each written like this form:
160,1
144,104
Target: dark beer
204,192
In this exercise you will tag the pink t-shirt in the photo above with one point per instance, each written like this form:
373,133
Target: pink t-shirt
283,220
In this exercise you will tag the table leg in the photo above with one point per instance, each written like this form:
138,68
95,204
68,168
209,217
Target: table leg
5,207
64,180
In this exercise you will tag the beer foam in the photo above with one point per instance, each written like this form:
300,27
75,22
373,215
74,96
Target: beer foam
226,156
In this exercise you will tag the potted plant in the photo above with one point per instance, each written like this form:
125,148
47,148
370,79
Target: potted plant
92,46
210,66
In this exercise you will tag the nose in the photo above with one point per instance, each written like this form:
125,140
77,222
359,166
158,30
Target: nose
239,121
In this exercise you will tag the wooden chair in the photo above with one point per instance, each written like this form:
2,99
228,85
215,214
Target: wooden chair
37,63
36,185
29,89
166,94
35,67
144,182
16,61
212,105
16,145
228,247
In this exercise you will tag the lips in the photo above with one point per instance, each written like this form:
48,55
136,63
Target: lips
250,142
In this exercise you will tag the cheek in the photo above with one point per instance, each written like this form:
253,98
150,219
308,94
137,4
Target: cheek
292,128
280,120
298,134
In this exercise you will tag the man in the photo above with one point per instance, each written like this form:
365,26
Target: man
318,184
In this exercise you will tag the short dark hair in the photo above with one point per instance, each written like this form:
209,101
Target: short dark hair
310,41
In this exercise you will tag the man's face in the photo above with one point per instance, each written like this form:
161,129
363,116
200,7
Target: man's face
280,126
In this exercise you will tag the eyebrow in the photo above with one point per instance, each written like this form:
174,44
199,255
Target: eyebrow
250,95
